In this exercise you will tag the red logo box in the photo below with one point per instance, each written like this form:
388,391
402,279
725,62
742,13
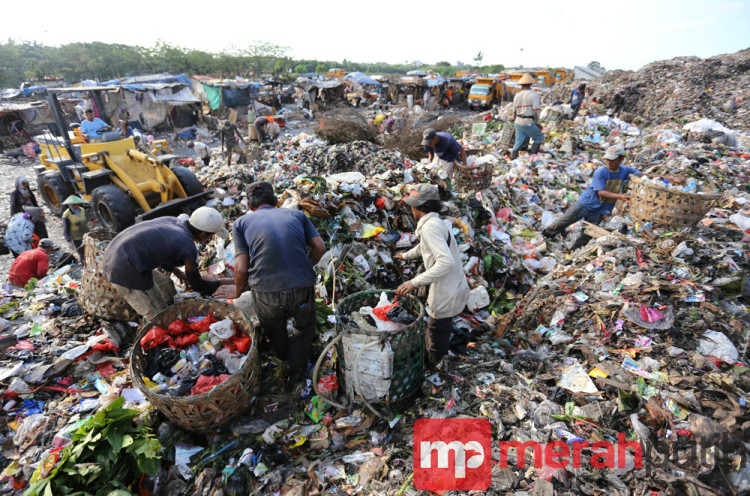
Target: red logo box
452,454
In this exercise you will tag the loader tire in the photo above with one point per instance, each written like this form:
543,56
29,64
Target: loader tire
113,207
54,191
188,180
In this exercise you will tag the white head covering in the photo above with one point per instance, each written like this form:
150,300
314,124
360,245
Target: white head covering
25,192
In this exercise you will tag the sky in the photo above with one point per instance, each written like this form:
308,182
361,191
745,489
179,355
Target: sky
539,33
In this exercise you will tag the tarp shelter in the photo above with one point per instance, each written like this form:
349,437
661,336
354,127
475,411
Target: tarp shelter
418,72
159,99
230,93
362,78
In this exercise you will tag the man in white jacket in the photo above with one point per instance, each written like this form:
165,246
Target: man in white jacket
444,272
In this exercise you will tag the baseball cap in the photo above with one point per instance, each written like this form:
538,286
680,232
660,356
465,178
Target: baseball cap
427,136
615,151
46,243
209,220
422,193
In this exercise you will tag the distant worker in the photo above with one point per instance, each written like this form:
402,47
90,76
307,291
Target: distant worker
576,99
21,196
445,147
91,127
201,151
618,102
75,224
18,128
125,130
598,200
260,128
31,264
525,115
166,243
229,135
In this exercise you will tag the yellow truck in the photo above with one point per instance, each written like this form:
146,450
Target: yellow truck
485,91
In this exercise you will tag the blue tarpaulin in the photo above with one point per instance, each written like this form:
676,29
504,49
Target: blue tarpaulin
432,82
362,78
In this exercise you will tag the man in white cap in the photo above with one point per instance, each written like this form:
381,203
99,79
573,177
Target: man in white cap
598,200
444,274
132,258
525,116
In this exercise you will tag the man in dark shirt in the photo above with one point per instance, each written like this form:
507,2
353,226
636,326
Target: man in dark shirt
447,150
131,259
229,135
271,260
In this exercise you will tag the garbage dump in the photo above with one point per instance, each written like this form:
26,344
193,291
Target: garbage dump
639,336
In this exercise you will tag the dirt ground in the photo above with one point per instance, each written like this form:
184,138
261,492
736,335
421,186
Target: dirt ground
10,169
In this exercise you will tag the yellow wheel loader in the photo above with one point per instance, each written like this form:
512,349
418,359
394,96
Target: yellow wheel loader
123,182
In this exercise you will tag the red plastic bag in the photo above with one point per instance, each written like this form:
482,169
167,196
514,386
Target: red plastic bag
206,383
186,340
242,343
155,337
178,327
382,312
105,346
202,325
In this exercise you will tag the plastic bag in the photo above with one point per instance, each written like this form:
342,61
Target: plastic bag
219,331
204,384
178,327
400,314
155,337
717,344
202,325
30,430
186,340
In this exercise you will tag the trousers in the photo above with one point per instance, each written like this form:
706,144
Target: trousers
437,339
523,130
273,309
571,216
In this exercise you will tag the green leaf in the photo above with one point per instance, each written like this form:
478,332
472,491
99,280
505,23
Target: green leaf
115,440
487,263
127,440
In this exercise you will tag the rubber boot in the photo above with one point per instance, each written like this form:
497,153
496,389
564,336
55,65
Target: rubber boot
534,148
514,154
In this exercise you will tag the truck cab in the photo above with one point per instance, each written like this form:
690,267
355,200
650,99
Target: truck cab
485,91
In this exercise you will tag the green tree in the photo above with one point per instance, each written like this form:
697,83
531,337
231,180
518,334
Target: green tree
595,65
300,68
478,58
321,69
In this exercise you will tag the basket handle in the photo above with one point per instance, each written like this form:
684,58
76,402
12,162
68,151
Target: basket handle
316,370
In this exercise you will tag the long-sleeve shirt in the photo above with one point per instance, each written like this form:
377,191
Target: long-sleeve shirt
31,263
19,232
576,97
201,149
526,107
449,291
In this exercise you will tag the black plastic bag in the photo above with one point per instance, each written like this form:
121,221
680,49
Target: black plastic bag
401,315
161,359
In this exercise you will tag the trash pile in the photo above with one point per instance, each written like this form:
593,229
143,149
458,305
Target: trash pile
191,358
683,88
640,335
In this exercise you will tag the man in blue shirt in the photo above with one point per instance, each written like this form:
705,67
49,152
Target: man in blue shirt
576,99
446,148
270,254
598,200
92,126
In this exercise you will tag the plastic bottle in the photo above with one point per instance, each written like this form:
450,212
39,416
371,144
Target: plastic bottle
691,186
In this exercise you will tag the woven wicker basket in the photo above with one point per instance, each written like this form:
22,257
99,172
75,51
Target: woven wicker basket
473,178
407,345
666,208
96,295
206,412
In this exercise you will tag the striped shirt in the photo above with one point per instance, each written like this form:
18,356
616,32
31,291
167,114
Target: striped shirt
526,107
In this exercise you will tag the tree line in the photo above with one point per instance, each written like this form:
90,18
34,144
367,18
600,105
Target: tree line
28,61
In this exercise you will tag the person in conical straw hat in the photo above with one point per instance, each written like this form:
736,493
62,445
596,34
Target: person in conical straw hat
525,117
75,224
